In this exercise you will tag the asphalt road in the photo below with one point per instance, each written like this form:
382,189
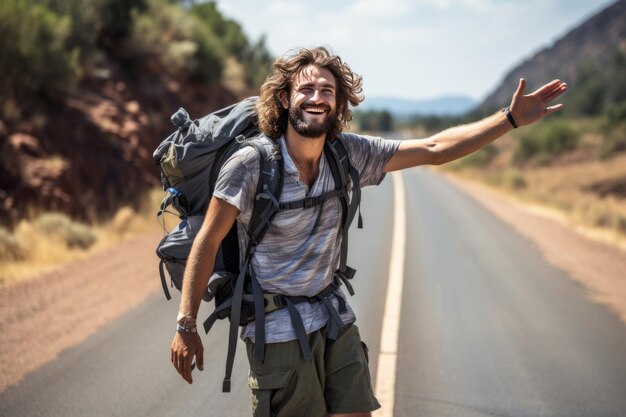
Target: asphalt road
488,329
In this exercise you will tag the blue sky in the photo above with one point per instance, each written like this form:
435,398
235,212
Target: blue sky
417,49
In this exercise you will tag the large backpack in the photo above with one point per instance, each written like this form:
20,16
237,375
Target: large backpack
190,160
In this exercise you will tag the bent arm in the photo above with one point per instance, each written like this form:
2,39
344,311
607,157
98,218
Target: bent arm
217,223
459,141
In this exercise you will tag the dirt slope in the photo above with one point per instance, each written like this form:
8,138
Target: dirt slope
41,317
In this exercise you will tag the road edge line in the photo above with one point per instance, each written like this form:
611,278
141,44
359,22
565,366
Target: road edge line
387,357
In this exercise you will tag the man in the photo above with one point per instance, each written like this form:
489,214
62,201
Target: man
303,103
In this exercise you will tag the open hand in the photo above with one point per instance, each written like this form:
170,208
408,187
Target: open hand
527,109
184,347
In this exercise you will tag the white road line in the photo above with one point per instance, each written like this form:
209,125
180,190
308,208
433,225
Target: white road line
387,358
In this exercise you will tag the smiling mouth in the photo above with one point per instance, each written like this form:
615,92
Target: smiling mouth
315,110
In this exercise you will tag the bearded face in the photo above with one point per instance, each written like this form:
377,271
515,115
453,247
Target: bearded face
311,120
312,103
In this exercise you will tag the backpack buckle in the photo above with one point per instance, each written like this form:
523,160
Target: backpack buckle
273,302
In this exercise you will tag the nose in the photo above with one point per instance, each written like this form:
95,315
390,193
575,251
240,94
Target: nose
317,96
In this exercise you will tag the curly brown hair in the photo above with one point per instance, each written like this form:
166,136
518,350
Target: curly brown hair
273,117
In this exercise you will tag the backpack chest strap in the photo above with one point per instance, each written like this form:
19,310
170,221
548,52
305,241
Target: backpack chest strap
309,202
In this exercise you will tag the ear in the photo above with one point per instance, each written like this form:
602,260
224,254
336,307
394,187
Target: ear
284,99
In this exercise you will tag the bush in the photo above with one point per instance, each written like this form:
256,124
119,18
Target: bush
60,226
613,131
11,248
546,140
612,143
374,120
186,48
254,57
513,178
34,56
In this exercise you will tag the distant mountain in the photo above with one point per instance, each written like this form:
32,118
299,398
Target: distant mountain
590,56
398,107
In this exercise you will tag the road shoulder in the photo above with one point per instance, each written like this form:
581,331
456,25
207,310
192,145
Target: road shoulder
596,265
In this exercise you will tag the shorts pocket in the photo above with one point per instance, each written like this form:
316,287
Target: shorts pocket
270,389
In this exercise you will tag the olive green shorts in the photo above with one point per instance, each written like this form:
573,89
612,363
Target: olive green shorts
336,380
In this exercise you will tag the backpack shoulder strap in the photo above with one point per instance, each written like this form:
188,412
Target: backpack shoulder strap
345,177
269,189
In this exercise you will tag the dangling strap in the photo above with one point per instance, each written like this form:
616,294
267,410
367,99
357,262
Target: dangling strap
298,327
334,320
344,277
259,318
163,281
235,315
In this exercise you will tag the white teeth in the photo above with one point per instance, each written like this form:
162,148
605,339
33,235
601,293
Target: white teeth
312,110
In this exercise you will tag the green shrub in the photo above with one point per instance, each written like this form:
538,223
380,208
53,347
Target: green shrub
513,178
612,144
374,120
613,131
256,60
116,16
254,57
546,140
11,248
186,48
34,56
207,64
59,225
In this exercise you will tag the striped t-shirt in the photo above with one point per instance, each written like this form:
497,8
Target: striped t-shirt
300,251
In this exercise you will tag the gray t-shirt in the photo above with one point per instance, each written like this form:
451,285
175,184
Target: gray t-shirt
300,251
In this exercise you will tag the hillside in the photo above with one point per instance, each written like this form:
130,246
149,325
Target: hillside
87,88
573,162
591,54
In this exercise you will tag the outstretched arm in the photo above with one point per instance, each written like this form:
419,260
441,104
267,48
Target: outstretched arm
456,142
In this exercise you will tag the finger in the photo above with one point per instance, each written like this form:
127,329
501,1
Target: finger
200,358
555,93
552,109
547,88
178,363
187,368
520,87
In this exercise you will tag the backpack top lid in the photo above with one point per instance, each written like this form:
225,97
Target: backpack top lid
186,153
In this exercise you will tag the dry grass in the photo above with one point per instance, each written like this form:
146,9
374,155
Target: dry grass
49,240
589,192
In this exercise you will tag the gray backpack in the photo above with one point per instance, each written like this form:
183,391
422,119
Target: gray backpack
190,160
